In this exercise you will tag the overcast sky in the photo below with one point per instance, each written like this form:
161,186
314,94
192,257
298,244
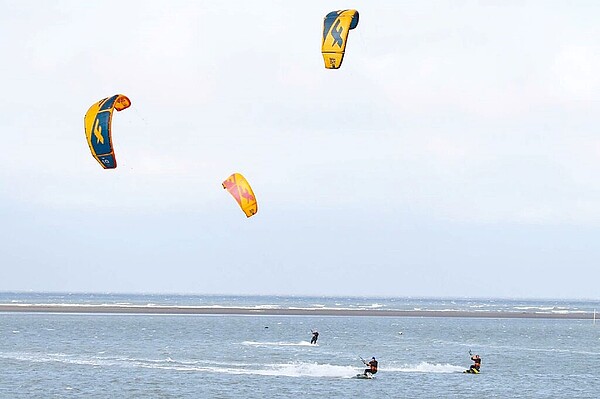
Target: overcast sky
455,153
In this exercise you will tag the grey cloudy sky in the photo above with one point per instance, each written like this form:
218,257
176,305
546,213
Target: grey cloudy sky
455,153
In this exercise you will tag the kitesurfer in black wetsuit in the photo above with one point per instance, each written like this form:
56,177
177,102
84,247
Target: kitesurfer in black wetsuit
476,364
315,336
372,366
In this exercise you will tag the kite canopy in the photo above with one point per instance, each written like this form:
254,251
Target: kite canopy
97,123
240,189
335,35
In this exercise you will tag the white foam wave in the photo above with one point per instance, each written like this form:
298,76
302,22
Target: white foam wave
554,309
295,370
266,306
61,358
425,367
300,369
478,306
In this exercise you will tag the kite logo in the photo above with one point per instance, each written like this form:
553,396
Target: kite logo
337,33
98,132
246,195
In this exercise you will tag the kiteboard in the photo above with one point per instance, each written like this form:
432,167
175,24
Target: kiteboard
471,371
367,376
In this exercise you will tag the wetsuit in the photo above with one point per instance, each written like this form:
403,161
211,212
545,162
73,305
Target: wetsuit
477,364
314,338
372,367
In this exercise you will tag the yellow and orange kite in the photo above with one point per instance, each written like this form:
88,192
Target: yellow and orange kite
240,189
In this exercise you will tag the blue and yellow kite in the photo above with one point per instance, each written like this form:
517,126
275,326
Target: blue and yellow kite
336,26
97,123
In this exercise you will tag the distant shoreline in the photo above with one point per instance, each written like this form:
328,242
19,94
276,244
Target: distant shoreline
199,310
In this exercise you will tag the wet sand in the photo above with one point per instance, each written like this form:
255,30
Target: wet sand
190,310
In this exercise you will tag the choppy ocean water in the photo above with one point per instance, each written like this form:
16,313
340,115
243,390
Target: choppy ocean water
287,302
53,355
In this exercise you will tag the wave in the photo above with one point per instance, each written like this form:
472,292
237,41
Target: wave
479,306
295,369
540,307
299,369
61,358
425,367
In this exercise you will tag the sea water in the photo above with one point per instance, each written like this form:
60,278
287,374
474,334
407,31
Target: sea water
54,355
287,302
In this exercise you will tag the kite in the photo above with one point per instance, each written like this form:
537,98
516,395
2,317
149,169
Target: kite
97,123
240,189
336,26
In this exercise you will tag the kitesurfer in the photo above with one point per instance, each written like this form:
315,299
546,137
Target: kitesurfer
476,364
315,336
372,366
